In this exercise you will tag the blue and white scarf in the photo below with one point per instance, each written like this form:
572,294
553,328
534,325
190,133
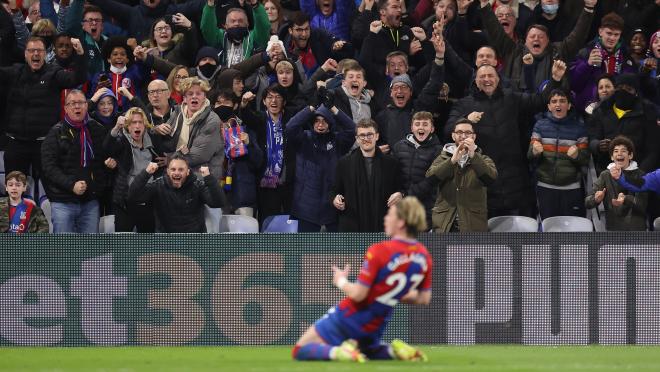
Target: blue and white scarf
274,153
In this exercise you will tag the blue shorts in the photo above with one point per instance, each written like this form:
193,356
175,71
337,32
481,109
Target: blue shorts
334,329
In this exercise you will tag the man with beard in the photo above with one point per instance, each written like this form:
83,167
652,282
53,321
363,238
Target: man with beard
235,39
329,136
86,23
138,19
179,196
311,46
537,44
33,102
74,173
415,154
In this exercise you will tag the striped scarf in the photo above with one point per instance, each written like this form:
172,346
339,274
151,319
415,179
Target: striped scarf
86,150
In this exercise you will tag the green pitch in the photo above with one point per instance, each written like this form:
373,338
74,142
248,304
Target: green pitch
269,359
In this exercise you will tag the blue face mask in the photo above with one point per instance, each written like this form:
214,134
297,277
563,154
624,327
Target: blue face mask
550,8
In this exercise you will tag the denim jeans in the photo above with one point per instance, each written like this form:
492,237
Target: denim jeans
82,218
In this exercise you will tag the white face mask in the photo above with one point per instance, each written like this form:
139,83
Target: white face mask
116,70
550,8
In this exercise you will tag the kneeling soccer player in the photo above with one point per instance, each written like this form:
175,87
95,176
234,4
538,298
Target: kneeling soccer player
393,271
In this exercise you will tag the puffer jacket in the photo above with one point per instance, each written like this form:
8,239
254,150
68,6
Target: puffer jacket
316,161
33,97
415,159
60,159
179,210
462,191
553,165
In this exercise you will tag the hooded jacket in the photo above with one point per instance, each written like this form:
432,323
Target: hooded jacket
461,190
109,121
316,161
178,210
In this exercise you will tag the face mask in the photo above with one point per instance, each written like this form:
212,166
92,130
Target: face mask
550,8
237,33
624,100
224,112
207,70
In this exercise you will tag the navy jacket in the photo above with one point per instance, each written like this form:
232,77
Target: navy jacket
316,161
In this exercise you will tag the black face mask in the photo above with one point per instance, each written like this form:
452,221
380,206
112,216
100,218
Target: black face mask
624,100
237,34
207,70
224,112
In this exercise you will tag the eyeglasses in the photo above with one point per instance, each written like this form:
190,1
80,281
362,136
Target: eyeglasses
274,98
93,20
163,29
76,103
463,133
366,136
505,15
35,50
156,91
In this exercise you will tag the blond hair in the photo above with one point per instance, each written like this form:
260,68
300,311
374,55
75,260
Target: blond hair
188,83
412,212
423,115
137,111
283,66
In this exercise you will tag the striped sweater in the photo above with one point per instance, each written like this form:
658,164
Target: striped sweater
554,166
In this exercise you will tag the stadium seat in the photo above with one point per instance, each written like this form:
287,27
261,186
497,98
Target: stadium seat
107,224
513,224
45,206
656,224
566,224
212,217
281,223
234,223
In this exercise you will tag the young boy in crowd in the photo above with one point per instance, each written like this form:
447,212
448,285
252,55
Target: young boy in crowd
559,149
624,210
17,214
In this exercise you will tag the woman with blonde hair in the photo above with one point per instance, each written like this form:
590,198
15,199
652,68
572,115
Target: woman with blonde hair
174,79
131,149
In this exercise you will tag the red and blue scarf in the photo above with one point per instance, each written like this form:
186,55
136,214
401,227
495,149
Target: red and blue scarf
18,221
86,150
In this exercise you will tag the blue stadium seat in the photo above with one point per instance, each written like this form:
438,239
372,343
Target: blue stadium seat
281,223
567,224
513,224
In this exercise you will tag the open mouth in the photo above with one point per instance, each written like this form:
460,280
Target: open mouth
536,47
505,24
137,133
421,134
355,88
194,102
326,6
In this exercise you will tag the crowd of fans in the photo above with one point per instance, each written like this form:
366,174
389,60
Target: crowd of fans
327,110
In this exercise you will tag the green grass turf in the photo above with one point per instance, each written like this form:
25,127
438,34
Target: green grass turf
247,359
